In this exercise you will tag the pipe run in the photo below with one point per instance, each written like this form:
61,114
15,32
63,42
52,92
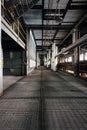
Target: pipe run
76,26
77,43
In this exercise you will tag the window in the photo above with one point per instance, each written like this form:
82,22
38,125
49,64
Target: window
70,59
81,57
66,59
86,56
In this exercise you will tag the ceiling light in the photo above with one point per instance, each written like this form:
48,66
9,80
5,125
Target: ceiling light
54,14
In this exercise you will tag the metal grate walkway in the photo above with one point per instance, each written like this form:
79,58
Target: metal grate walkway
45,100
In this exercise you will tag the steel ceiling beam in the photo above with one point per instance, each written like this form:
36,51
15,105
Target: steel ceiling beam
76,25
48,39
37,7
39,46
50,17
68,5
78,7
81,2
48,11
50,27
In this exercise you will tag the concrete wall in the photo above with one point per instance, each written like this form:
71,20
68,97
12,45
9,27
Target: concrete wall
31,52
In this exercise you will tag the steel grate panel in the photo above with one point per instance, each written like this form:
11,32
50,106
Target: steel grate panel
25,94
44,100
65,104
66,120
35,86
64,94
19,105
59,87
13,121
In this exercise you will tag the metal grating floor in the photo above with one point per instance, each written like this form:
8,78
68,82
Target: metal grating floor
45,101
66,120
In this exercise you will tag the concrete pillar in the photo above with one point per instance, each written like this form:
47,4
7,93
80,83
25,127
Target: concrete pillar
1,61
75,61
24,62
27,52
54,60
36,60
1,69
48,59
45,60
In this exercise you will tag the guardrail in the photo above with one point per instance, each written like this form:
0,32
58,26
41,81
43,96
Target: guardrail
16,25
69,67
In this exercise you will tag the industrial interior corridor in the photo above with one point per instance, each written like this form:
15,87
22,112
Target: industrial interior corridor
45,100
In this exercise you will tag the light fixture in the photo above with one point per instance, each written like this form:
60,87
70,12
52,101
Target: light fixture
52,14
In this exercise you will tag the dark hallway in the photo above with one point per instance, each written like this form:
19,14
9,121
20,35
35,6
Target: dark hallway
45,100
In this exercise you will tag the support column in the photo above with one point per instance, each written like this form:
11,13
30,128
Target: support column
27,52
36,60
75,36
54,60
1,61
47,58
58,58
1,69
24,62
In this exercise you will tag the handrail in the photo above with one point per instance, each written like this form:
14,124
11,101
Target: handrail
19,31
3,6
4,23
22,28
18,27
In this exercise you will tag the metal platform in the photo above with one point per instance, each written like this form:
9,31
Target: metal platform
45,100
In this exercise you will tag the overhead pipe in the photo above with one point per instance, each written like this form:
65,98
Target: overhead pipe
77,43
79,22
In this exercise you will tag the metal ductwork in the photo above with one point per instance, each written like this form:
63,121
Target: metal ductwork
80,41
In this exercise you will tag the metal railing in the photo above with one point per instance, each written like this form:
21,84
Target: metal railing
15,25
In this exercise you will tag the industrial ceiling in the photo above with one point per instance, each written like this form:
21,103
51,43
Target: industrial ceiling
51,20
